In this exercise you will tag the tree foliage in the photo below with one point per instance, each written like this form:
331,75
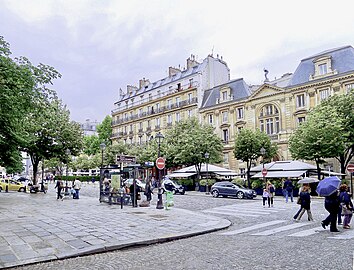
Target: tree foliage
328,132
188,141
248,144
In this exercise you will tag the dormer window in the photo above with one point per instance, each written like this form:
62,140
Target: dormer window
323,67
224,94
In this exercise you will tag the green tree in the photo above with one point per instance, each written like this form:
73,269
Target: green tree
328,132
91,145
49,133
17,89
248,144
188,141
104,130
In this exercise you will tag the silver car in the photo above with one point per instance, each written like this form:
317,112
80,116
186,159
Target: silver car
226,189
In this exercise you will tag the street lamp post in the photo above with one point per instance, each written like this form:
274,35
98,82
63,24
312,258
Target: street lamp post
263,151
103,147
206,155
66,191
159,204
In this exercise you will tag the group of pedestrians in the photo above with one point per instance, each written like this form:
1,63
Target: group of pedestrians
62,190
339,204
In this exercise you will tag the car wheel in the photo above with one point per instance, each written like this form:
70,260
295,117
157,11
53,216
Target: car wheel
240,195
183,192
174,192
21,189
0,189
215,193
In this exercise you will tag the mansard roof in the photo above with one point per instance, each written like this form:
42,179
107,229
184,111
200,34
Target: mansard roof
238,90
342,61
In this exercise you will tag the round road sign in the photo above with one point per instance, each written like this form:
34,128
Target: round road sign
160,163
264,172
350,168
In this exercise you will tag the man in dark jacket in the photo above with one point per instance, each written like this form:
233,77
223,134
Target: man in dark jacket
288,190
332,206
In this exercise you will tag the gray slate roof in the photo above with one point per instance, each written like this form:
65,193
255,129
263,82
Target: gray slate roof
239,90
342,61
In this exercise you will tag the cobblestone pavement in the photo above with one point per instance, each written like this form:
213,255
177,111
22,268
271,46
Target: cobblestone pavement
259,238
37,227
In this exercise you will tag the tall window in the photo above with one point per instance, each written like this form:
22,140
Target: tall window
148,123
226,158
140,112
325,93
349,87
190,96
158,122
269,121
169,103
178,117
131,127
169,119
177,101
210,119
224,95
322,69
150,97
157,107
225,135
190,82
190,113
300,101
239,113
300,120
225,116
141,125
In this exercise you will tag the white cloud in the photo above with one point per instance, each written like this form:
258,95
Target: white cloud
101,46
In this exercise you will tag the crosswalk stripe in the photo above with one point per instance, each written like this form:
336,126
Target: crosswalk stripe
307,232
235,210
230,213
260,209
344,235
281,229
254,227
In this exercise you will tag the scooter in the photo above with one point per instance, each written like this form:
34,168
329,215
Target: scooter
37,188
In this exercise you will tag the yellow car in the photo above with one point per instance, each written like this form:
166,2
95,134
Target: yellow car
11,185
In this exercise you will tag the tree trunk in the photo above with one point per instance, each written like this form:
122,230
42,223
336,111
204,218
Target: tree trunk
318,169
35,163
249,174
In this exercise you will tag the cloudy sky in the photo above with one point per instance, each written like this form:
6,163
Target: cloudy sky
101,46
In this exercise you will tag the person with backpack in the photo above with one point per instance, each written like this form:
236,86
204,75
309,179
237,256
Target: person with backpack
271,191
288,190
305,200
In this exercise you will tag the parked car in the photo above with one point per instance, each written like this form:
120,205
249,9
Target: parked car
129,182
11,185
169,185
226,189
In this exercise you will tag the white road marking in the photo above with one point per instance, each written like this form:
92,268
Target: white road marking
281,229
254,227
230,213
347,234
307,232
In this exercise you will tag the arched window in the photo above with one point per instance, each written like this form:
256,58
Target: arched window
269,121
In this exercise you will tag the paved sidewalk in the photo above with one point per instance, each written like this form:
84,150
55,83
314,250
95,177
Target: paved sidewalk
37,227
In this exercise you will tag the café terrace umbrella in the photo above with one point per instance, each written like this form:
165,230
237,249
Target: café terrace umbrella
328,186
308,180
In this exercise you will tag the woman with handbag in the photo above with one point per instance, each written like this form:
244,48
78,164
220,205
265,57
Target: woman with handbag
305,203
347,205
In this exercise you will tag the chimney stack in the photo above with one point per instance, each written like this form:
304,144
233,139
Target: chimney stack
143,82
172,71
191,62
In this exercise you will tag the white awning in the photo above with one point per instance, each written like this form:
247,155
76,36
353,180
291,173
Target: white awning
280,174
226,173
331,173
180,175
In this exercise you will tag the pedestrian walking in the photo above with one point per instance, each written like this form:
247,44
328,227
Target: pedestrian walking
271,191
346,205
288,190
265,197
332,207
299,199
148,191
134,193
305,200
59,186
76,187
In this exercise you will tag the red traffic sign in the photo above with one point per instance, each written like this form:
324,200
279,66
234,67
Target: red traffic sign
160,163
350,168
264,172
